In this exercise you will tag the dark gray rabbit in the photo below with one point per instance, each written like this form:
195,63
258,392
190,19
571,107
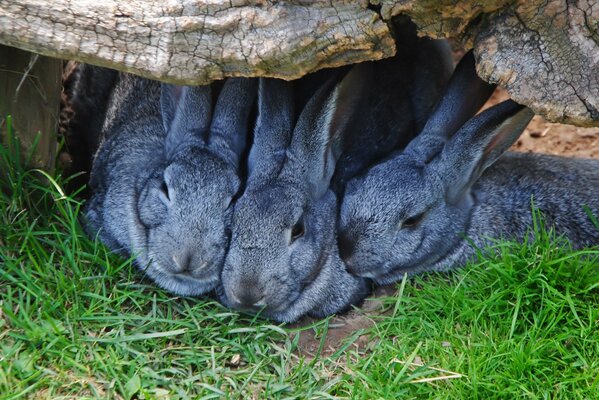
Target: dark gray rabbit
165,175
86,92
417,211
282,257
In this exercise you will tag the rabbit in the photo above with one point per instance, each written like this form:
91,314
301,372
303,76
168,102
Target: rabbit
165,177
283,258
429,207
86,91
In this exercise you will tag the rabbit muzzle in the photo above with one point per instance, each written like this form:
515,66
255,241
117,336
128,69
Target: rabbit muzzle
185,272
247,296
248,288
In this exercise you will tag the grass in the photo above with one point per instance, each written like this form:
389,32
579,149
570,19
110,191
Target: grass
77,321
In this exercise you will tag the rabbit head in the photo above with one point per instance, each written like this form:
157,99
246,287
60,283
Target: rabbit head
409,213
283,257
177,224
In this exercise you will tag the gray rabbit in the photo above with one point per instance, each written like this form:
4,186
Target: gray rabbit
86,91
419,210
283,259
165,176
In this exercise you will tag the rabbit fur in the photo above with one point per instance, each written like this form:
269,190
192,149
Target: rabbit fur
399,95
449,192
86,91
283,258
165,175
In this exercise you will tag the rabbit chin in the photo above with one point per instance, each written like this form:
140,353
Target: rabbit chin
181,284
390,271
332,291
299,301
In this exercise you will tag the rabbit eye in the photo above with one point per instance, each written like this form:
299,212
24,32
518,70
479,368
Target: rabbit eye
165,192
228,203
164,189
412,221
297,231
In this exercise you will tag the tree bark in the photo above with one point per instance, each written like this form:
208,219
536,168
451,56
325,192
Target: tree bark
547,57
198,41
545,52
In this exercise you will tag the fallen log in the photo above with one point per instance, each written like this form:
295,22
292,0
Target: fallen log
544,52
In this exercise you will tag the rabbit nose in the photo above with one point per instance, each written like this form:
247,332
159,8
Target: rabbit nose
248,295
182,262
346,248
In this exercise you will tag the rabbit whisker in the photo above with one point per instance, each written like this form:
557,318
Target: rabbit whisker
201,267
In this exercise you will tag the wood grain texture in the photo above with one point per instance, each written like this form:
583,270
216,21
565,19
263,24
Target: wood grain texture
544,52
547,57
195,41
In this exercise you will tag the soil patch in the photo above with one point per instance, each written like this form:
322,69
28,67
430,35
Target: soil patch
343,327
550,138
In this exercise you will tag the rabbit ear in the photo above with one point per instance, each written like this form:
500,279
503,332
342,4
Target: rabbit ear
186,114
317,140
228,132
479,143
465,95
273,130
169,100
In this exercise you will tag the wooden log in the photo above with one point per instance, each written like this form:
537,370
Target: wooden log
545,52
198,41
547,56
30,87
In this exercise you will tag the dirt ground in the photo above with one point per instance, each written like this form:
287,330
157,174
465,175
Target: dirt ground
540,136
545,137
